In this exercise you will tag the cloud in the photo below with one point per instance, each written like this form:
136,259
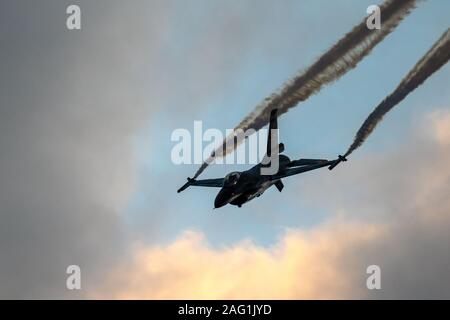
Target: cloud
70,103
410,243
441,126
301,265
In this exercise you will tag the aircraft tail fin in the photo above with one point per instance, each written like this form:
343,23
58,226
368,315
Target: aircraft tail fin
272,139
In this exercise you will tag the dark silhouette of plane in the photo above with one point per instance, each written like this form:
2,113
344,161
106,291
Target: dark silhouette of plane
238,188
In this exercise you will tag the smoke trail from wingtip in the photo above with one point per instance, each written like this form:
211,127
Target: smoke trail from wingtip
334,63
432,61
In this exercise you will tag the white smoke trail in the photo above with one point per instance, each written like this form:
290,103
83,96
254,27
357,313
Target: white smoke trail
339,59
432,61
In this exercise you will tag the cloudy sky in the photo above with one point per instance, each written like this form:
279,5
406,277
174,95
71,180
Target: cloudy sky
86,176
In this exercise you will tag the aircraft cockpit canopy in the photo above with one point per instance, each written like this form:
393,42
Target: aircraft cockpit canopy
231,179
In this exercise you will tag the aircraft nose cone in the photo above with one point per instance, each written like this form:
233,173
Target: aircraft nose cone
222,199
219,202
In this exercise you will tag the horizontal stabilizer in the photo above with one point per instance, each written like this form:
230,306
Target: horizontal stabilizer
186,185
279,185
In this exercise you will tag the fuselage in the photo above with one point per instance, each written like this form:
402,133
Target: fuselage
238,188
241,187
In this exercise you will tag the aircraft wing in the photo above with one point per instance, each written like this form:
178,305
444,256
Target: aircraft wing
304,162
293,171
202,183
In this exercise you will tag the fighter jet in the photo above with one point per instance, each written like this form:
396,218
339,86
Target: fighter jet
238,188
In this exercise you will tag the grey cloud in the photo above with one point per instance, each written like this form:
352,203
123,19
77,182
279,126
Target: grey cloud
70,104
405,193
